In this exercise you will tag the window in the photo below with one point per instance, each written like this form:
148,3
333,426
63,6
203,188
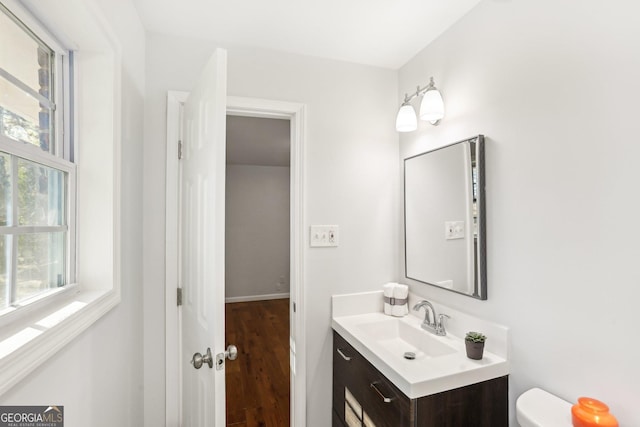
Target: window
37,175
59,195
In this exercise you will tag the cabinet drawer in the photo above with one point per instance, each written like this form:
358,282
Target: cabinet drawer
346,359
384,403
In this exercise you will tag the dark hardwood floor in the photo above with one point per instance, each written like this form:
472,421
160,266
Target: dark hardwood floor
257,382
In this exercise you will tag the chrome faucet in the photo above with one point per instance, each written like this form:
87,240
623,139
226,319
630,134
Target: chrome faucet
435,327
427,305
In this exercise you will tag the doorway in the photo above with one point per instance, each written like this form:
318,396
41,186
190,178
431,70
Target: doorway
250,107
257,268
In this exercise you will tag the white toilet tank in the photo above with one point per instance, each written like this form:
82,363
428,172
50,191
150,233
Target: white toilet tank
538,408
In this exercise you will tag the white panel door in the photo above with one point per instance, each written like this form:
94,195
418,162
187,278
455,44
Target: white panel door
202,246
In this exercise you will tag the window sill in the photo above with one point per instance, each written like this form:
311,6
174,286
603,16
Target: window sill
34,340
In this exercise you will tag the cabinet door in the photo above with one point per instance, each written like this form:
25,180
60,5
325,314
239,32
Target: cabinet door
336,420
362,396
346,362
484,404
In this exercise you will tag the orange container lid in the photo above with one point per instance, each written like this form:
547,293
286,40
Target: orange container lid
593,405
589,412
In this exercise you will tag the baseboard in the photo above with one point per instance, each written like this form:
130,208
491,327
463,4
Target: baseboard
256,298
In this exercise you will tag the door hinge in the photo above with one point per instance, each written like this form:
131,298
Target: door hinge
179,150
294,306
179,296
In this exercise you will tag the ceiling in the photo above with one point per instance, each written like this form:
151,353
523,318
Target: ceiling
384,33
257,141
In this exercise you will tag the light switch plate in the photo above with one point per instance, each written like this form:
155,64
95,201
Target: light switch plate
454,230
324,236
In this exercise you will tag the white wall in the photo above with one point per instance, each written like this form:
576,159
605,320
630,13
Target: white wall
351,179
257,231
554,86
101,368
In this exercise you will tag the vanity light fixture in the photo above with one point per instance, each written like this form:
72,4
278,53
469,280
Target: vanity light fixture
406,121
431,108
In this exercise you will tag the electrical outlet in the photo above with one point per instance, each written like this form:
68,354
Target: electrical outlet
324,236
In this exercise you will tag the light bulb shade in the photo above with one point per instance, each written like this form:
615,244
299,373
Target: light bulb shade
432,106
406,121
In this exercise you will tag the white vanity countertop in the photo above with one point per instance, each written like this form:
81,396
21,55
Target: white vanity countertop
354,314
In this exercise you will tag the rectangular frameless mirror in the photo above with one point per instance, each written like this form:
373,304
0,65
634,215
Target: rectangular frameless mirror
444,218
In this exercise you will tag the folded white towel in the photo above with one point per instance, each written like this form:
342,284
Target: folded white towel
398,292
399,310
388,292
389,288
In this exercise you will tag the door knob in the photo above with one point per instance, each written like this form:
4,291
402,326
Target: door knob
198,360
231,353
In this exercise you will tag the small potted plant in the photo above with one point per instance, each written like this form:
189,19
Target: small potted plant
475,345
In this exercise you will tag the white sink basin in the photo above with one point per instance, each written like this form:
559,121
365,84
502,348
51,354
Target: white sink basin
440,364
395,337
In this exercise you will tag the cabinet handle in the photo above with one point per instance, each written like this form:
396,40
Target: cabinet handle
385,399
345,357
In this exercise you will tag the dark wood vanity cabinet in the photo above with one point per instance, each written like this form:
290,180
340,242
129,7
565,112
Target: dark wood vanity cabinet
362,396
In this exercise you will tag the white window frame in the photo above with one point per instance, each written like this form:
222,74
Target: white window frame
33,334
23,151
58,158
61,83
